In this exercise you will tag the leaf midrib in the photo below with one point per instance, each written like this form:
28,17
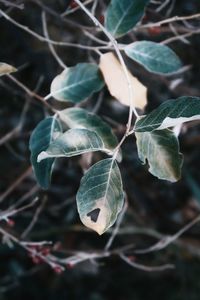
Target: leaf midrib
122,18
149,57
73,85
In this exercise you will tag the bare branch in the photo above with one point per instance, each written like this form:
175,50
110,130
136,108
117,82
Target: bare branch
46,40
170,20
144,267
11,4
51,47
166,241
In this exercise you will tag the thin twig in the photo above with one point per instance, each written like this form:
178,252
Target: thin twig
32,94
11,4
52,12
94,38
176,33
5,215
144,267
30,247
170,20
117,226
51,47
71,11
17,129
132,109
98,103
186,35
34,219
117,50
163,5
43,39
94,6
166,241
16,183
27,195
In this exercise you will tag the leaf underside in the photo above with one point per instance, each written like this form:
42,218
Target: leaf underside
80,118
73,142
170,113
161,150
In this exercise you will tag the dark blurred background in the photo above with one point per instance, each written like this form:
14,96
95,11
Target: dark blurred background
156,207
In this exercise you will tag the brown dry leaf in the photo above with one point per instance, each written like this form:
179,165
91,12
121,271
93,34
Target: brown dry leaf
6,69
117,84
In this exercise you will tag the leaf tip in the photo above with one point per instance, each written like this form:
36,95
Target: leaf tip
43,155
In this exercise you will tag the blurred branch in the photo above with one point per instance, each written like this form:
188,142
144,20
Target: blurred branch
170,20
166,241
70,11
11,4
46,40
16,183
18,128
34,219
58,16
6,214
31,93
182,36
117,226
144,267
51,47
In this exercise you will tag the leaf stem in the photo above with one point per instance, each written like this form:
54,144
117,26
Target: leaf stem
132,108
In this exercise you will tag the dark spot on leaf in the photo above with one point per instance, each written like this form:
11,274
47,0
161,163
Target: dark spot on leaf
94,214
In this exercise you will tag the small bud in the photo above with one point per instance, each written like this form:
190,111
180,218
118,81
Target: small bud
101,19
57,269
45,251
131,258
10,222
70,266
73,4
145,18
57,246
154,30
36,260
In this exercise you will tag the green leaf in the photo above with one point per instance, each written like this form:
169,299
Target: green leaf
80,118
6,69
161,150
77,83
123,15
154,57
73,142
45,132
100,196
170,113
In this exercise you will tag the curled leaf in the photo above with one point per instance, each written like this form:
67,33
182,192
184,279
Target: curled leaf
73,142
76,117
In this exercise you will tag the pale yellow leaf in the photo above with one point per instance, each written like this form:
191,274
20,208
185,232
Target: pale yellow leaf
117,84
6,69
